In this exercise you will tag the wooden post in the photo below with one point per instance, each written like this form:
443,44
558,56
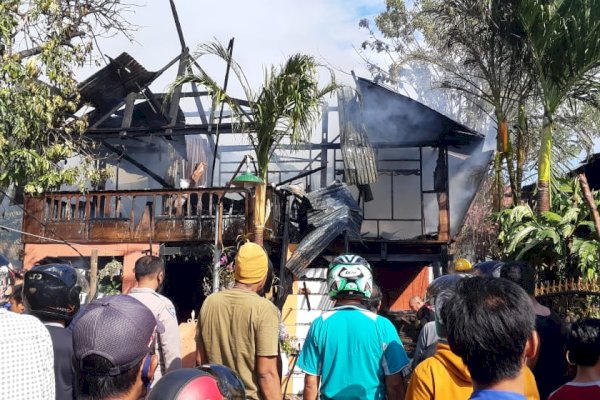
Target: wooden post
285,240
324,139
440,178
589,197
93,273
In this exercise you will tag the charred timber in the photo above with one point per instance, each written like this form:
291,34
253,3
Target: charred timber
177,130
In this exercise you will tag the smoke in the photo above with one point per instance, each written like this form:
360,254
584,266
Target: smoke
397,126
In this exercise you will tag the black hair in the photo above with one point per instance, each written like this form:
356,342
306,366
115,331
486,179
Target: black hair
583,342
520,272
269,280
372,303
52,260
17,293
93,386
148,265
488,322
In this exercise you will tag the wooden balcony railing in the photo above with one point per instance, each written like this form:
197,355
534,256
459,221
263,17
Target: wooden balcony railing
137,216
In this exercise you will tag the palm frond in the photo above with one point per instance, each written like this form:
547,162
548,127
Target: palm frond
219,95
284,108
216,48
564,39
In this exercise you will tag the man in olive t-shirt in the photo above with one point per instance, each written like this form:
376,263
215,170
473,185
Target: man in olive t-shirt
240,329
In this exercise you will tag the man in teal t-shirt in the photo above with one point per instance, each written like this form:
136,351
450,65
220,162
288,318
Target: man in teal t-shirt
355,353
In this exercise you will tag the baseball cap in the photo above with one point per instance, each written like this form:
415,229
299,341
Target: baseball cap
118,328
251,263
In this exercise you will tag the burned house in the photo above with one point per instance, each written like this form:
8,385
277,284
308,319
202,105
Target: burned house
386,177
390,179
413,173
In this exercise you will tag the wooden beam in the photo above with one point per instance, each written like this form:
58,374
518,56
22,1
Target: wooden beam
413,258
137,132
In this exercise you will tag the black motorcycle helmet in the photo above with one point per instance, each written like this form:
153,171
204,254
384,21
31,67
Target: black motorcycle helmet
488,268
230,383
51,292
208,382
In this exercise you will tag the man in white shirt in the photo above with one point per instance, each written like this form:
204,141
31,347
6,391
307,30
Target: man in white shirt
150,274
27,358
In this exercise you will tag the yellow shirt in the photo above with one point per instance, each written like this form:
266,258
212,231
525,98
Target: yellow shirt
236,326
445,376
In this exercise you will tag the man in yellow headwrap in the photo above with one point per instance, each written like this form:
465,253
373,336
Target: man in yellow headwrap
240,329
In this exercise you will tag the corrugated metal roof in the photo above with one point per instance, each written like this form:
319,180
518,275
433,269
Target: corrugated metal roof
392,118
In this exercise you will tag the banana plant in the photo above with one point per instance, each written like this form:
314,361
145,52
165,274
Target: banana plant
561,241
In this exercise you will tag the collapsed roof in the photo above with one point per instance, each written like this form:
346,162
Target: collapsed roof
409,139
392,118
401,128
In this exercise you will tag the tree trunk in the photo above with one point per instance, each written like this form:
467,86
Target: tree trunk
544,166
520,148
498,185
501,144
589,197
260,205
512,177
508,156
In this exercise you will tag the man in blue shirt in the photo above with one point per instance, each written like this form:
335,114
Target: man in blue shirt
352,352
490,324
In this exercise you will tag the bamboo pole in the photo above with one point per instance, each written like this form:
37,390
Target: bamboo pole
259,213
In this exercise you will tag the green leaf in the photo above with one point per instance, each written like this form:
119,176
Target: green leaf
549,234
567,230
519,237
551,216
571,215
521,212
526,249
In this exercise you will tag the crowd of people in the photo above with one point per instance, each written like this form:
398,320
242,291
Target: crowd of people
483,336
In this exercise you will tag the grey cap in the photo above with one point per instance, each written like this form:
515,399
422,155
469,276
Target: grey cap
118,328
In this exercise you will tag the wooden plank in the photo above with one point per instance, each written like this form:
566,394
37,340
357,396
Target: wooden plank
93,272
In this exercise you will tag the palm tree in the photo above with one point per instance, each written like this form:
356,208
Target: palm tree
285,107
564,40
474,44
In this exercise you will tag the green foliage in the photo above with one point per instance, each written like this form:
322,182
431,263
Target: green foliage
41,42
562,242
285,107
564,40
